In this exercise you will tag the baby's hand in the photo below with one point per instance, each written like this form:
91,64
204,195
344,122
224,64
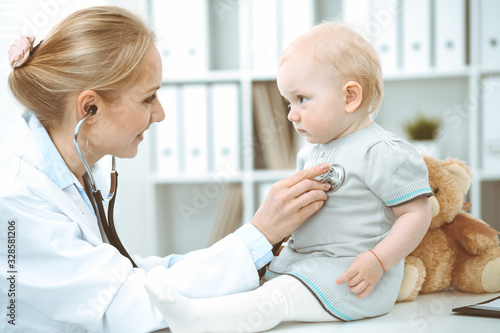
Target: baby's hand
363,274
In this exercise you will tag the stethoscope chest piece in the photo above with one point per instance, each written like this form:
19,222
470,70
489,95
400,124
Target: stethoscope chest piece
334,176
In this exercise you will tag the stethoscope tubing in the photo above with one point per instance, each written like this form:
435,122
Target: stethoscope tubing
108,224
96,198
77,146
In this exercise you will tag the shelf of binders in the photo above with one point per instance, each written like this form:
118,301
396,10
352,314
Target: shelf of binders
216,74
201,138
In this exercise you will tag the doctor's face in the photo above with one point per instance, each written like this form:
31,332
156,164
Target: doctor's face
125,121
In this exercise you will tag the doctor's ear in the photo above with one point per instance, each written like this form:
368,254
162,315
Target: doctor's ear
87,102
353,96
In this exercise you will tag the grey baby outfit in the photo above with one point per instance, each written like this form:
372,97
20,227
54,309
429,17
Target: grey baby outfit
381,171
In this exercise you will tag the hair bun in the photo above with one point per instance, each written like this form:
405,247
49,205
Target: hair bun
20,51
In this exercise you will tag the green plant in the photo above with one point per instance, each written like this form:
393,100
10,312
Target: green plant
423,127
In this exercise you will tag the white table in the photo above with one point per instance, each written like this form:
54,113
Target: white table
428,313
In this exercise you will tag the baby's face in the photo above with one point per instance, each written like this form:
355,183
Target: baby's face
317,101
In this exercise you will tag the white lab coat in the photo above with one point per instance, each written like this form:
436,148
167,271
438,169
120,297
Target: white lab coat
67,279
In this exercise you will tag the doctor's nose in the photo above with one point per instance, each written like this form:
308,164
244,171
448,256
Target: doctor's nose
158,113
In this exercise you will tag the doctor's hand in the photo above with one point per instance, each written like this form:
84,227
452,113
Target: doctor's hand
290,202
363,274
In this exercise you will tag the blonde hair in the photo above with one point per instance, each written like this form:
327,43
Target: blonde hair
97,48
349,54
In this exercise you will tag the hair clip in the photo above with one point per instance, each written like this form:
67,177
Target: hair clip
19,52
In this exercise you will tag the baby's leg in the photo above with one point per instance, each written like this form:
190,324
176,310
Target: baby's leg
281,299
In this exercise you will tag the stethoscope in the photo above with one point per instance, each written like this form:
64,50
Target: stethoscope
95,196
334,177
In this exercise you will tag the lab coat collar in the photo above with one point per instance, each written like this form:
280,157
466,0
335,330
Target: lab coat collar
53,179
54,166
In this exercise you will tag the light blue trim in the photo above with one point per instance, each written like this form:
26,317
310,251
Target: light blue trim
409,195
322,296
258,246
271,273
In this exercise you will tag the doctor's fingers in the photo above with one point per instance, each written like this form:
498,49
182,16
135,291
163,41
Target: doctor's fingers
310,173
308,210
301,200
306,186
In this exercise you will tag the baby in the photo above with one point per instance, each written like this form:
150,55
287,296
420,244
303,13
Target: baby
346,262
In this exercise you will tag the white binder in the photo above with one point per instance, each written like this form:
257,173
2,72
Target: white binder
225,111
264,44
491,123
182,30
450,34
382,30
490,33
298,17
416,35
167,143
194,119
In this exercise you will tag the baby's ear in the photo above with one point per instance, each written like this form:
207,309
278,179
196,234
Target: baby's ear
353,96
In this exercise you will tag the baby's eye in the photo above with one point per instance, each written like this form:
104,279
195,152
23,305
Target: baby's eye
302,99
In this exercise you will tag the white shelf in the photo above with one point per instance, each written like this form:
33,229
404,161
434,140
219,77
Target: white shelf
255,76
206,77
428,75
271,175
254,176
488,175
441,92
158,179
489,71
269,76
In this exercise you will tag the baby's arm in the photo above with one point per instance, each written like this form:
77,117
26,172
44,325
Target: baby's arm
413,220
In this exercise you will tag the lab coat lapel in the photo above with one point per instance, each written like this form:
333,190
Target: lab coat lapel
55,195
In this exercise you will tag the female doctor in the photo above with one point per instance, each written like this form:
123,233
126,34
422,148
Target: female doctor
59,273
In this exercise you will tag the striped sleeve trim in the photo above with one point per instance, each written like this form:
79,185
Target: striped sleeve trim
408,193
426,191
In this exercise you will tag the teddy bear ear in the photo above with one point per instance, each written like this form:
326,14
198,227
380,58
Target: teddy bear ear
461,172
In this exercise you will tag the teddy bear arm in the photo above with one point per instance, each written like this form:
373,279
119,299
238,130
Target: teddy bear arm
476,244
475,235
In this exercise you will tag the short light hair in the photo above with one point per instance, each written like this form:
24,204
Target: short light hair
346,53
97,48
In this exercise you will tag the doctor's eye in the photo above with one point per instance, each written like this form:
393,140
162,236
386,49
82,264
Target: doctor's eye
151,99
301,99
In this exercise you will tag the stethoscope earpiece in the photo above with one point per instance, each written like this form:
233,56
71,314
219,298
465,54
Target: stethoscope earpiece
92,109
334,177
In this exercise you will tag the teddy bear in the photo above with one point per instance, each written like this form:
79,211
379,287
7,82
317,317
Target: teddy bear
458,250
